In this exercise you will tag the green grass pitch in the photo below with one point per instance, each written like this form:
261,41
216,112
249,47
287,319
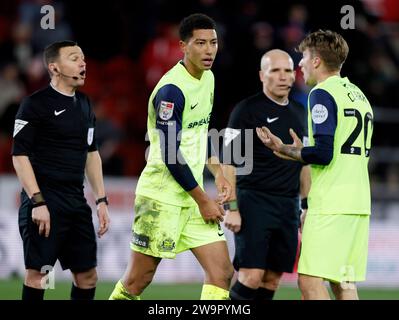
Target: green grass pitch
11,290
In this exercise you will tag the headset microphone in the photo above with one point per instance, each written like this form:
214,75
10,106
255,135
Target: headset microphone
64,75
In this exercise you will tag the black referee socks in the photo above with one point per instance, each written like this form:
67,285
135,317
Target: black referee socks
241,292
264,294
82,294
32,294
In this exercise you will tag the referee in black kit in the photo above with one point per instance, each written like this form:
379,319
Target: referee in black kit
54,146
264,211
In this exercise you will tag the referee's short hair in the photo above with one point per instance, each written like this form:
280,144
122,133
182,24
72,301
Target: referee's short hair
193,22
52,51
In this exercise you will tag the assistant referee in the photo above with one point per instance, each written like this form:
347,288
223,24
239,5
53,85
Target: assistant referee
54,146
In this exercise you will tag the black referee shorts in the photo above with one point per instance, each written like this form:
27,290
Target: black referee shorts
72,238
268,238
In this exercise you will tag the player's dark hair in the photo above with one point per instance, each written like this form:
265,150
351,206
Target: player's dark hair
52,51
329,45
194,22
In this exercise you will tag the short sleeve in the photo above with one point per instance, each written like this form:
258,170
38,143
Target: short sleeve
26,123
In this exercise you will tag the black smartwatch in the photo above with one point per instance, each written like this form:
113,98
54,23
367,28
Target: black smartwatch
231,205
304,203
104,199
37,200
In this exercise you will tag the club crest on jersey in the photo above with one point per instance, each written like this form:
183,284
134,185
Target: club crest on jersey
90,135
166,110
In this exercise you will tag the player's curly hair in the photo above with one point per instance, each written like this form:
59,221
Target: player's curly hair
193,22
330,46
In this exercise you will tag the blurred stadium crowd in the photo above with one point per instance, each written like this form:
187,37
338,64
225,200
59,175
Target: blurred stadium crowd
130,44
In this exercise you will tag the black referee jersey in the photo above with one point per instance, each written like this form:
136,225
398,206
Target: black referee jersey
56,132
270,173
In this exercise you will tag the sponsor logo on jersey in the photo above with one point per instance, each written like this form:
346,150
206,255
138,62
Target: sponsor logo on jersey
199,123
57,113
270,120
140,240
220,231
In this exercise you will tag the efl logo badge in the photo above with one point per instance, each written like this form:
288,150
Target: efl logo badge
166,110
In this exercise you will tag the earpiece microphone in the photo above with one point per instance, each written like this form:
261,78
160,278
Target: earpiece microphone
66,76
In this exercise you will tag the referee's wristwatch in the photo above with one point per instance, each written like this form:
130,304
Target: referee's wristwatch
103,199
37,200
230,205
304,203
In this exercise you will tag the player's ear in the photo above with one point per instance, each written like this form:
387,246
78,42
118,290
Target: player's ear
183,46
316,62
293,76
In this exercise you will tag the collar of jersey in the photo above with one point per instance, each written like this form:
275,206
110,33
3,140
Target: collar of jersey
64,94
335,77
274,101
188,74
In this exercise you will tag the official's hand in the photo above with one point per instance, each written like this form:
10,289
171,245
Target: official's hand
233,221
41,217
223,187
103,219
211,212
303,217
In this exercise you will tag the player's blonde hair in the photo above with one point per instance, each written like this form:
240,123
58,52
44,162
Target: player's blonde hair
330,46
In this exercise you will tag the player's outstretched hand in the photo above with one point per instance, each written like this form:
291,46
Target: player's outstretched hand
269,139
297,142
284,151
41,217
103,219
233,221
